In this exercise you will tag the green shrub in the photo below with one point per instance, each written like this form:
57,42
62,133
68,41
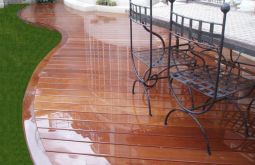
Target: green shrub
107,2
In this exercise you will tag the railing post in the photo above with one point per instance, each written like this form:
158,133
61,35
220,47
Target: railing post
225,9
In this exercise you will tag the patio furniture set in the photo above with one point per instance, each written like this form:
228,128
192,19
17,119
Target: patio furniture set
193,58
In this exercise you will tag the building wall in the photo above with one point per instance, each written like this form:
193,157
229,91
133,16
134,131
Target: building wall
126,2
123,2
1,3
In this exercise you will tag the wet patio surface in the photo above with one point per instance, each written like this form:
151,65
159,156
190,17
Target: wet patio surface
79,108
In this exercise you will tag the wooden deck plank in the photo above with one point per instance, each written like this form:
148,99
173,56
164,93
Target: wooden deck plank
193,143
70,158
83,110
138,152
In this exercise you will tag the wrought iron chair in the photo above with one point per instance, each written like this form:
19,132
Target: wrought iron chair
153,59
214,76
150,58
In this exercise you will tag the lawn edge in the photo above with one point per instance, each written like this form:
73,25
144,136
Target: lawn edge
28,119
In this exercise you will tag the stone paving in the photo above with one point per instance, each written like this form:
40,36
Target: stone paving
240,25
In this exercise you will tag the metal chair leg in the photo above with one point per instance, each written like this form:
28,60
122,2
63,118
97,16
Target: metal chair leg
146,92
245,121
204,133
167,116
133,88
191,97
248,110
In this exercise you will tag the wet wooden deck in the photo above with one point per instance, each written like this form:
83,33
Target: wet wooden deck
79,108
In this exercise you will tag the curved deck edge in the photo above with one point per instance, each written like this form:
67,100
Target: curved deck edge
36,150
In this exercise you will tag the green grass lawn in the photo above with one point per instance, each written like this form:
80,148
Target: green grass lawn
22,47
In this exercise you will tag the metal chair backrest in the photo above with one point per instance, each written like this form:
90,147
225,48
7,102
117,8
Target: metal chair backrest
207,33
140,14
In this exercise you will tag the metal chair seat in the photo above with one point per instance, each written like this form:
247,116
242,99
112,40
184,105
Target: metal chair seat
203,79
160,57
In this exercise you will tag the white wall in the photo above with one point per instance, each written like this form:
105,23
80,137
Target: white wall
1,3
89,5
126,2
123,2
119,2
92,2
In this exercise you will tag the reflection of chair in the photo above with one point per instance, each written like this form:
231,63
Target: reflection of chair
154,59
213,75
251,116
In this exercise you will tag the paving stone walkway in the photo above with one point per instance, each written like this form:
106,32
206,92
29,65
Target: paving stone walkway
240,33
